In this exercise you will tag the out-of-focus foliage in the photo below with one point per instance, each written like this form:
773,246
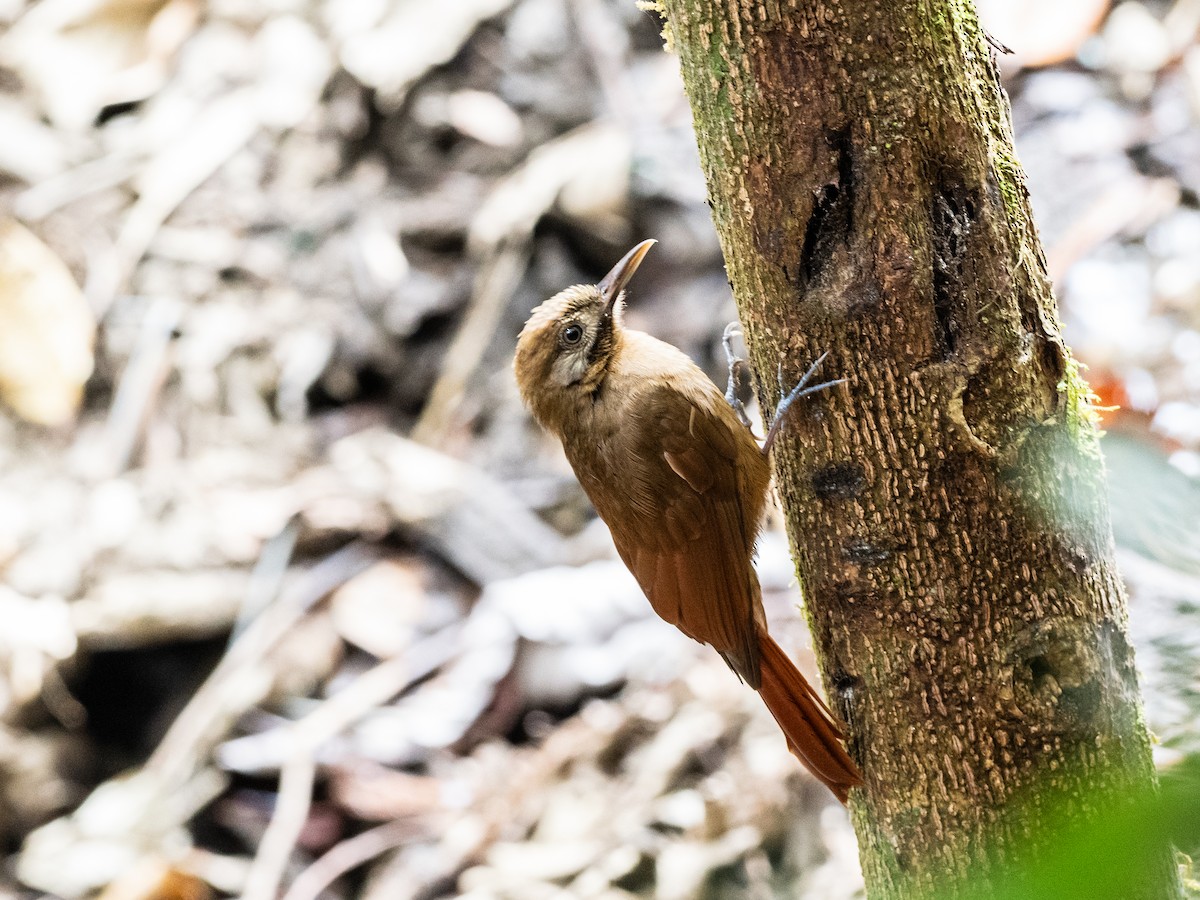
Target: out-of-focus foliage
1106,851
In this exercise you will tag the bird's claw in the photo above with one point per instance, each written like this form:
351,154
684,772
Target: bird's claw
732,330
801,389
739,389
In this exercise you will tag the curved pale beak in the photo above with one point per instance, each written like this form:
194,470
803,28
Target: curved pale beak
614,282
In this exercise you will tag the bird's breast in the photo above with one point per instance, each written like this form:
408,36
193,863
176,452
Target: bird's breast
606,445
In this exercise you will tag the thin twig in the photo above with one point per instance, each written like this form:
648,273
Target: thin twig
291,811
140,383
497,281
266,577
215,135
350,854
369,691
233,686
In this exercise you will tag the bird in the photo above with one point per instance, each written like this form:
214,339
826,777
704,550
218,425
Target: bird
681,482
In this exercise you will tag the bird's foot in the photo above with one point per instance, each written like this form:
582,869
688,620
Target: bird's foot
740,387
800,390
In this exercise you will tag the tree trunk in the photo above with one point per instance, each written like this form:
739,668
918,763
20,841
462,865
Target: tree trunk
946,505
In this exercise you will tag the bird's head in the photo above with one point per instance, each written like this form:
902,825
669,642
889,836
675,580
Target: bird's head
565,348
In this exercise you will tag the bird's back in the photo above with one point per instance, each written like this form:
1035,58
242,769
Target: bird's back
681,484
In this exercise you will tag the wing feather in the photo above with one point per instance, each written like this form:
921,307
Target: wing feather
691,554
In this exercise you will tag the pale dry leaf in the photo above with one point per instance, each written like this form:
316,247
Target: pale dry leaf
148,607
470,518
379,609
1135,41
572,811
40,768
1040,33
37,637
391,54
514,863
306,656
294,67
215,134
683,867
121,822
376,793
1129,204
485,117
82,55
46,330
30,150
586,170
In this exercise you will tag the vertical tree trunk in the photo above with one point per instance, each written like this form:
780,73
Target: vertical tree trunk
946,506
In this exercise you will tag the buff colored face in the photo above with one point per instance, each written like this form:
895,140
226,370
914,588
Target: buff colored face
572,327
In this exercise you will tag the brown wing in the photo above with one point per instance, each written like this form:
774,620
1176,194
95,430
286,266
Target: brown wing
691,550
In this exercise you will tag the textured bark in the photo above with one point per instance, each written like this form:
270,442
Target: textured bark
946,506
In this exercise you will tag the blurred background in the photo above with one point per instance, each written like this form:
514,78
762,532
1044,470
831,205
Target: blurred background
296,598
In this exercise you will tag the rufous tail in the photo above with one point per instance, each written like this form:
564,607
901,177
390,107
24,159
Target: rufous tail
811,732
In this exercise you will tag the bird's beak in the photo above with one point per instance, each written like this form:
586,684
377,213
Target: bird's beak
614,282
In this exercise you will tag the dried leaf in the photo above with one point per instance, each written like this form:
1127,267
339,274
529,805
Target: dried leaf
394,602
1135,40
473,520
37,636
375,793
118,825
46,330
1039,33
155,879
146,608
30,150
391,53
83,55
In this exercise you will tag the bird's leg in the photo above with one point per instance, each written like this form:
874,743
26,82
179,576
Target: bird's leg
800,390
740,389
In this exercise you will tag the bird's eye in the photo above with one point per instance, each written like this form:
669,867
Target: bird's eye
572,334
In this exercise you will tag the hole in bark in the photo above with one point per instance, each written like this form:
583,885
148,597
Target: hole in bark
862,552
831,220
952,215
843,680
845,686
839,481
1053,360
844,693
817,236
1039,670
943,308
1054,365
1057,657
1063,672
951,222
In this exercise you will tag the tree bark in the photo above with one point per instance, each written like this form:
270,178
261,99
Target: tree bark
946,506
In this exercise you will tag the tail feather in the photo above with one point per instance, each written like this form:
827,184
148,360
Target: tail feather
811,732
